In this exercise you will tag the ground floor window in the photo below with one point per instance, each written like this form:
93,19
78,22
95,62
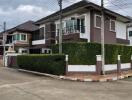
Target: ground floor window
40,51
46,51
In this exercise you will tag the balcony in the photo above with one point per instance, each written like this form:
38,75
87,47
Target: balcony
72,34
38,42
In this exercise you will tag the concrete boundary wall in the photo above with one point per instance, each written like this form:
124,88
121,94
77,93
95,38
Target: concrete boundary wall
97,69
81,68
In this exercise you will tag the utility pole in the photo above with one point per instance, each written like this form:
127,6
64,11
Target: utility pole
60,30
4,40
102,37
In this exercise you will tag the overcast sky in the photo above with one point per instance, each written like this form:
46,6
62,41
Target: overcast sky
15,12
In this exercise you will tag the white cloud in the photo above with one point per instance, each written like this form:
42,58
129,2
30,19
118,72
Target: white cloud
29,9
26,9
22,10
22,13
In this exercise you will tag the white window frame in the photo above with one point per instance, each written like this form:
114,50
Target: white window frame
43,26
95,17
20,36
110,25
44,32
46,51
57,24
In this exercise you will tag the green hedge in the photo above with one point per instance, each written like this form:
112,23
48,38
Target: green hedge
52,64
85,53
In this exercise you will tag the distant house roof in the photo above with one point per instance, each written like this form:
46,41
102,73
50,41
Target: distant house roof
28,26
85,4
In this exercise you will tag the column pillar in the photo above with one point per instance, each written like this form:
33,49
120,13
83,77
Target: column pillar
98,64
66,59
119,64
131,62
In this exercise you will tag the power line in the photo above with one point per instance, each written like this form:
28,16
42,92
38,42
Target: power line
119,7
115,5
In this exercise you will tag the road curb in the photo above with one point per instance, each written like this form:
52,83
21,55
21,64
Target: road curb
106,79
38,73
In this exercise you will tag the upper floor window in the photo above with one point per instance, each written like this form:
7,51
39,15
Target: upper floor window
130,33
17,36
112,25
23,37
39,34
42,33
20,37
97,21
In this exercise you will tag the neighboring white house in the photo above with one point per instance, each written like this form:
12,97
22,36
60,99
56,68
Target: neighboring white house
129,30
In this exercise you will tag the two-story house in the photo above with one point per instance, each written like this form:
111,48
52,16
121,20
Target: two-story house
129,30
20,37
82,22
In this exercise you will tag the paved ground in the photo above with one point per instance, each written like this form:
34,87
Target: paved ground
16,85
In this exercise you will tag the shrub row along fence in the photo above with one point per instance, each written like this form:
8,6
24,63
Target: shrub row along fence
52,64
85,53
82,58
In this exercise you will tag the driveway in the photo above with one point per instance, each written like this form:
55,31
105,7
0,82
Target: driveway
16,85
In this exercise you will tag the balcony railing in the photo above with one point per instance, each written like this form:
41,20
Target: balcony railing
72,29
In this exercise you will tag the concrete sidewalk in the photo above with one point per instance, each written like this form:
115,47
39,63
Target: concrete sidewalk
99,78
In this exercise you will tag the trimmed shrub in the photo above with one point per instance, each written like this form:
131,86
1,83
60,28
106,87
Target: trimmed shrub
80,53
52,64
85,53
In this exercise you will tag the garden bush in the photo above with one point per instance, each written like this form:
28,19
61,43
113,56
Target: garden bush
51,64
85,53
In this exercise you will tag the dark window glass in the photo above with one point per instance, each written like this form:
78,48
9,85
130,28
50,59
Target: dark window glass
130,33
112,25
41,34
82,25
35,35
23,37
78,25
98,21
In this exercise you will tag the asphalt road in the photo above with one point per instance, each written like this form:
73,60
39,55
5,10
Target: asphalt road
16,85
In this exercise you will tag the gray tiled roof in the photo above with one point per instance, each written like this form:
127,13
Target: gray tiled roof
28,26
82,3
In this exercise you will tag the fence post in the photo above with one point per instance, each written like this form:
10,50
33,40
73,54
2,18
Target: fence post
98,64
119,64
66,59
131,62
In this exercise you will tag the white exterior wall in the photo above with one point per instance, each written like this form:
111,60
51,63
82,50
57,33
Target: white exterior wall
20,50
130,37
121,30
81,68
126,66
37,42
110,67
42,25
86,35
